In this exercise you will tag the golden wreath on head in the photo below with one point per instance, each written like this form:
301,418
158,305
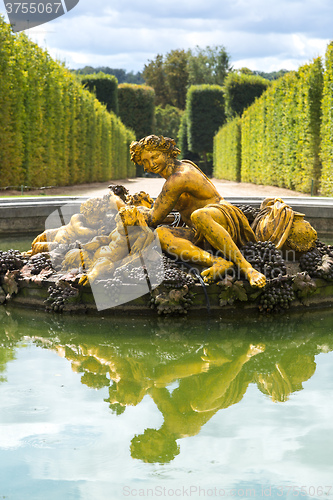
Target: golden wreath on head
151,143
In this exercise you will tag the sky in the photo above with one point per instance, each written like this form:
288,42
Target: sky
264,35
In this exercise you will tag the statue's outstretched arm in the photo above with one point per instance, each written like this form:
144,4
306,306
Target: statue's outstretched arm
166,201
80,228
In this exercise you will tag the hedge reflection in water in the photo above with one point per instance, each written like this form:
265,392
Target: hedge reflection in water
212,363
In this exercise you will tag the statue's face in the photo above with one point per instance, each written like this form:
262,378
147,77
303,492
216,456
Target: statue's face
153,161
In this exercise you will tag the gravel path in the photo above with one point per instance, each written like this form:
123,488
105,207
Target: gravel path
153,186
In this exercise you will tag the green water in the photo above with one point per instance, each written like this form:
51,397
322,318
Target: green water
21,243
95,408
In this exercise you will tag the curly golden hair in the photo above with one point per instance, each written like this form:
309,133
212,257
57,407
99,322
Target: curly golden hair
152,143
96,207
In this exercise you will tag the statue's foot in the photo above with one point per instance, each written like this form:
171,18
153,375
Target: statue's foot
214,357
216,271
255,278
255,349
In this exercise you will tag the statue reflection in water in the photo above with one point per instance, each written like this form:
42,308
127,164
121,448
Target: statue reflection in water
205,386
188,382
210,379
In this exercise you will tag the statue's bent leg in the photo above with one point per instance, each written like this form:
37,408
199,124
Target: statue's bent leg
174,242
213,225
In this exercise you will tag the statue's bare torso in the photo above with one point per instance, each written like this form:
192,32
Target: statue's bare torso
185,190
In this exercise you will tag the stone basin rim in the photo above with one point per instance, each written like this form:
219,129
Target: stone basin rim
18,216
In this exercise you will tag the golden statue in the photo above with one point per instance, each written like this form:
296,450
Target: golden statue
214,233
99,251
211,219
208,216
83,226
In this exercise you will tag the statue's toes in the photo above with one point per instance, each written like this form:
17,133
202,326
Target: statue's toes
208,275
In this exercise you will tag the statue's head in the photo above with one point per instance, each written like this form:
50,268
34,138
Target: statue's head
94,209
154,446
153,143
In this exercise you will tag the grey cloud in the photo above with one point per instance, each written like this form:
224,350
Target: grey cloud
258,16
133,32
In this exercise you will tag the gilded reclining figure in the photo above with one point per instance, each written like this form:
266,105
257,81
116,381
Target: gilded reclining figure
210,218
214,231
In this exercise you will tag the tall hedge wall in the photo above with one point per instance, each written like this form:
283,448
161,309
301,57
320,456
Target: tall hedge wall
227,151
52,131
240,91
280,134
105,88
326,153
205,115
137,108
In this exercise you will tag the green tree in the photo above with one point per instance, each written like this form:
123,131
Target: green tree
136,108
155,77
245,71
176,72
104,87
171,76
274,75
208,66
121,74
167,121
52,130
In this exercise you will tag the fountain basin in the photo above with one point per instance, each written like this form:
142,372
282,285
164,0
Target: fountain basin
32,294
29,214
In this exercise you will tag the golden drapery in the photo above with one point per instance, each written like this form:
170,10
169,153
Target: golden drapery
238,224
274,221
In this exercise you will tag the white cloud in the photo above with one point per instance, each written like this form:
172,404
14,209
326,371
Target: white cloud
260,34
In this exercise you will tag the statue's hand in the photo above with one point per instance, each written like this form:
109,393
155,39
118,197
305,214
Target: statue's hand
101,230
95,243
143,241
253,350
145,215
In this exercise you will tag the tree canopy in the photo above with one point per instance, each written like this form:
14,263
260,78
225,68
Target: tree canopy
122,75
171,75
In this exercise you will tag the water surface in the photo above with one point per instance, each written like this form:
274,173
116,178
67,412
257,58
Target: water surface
95,408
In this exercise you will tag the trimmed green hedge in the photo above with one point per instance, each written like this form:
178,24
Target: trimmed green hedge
326,153
227,151
205,115
53,132
280,133
240,91
137,108
104,87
